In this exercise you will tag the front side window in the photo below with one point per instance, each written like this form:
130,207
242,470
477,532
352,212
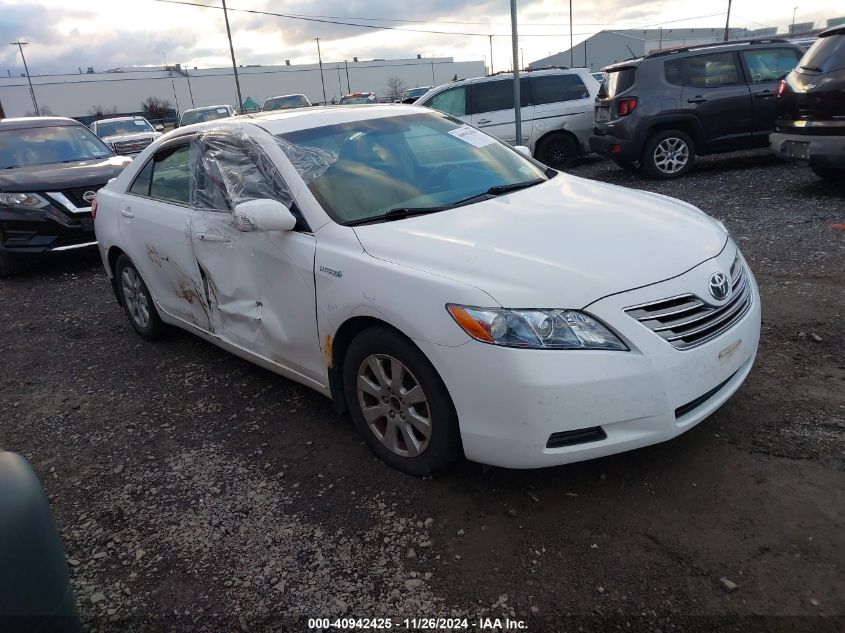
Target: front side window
704,71
555,88
49,146
129,126
452,101
363,170
171,177
770,64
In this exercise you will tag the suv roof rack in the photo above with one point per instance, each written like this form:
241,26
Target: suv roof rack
531,70
694,47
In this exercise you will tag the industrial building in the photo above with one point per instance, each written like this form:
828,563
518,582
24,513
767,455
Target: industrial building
122,90
608,47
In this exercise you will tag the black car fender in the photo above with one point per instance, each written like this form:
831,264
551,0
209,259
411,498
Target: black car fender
689,123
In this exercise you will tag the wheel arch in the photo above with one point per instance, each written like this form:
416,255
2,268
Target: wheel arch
689,125
112,256
555,132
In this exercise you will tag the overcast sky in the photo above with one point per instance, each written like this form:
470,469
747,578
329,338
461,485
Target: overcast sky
110,33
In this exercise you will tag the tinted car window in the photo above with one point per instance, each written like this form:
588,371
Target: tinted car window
617,81
825,55
704,71
286,103
452,101
171,179
490,96
49,145
554,88
141,186
769,64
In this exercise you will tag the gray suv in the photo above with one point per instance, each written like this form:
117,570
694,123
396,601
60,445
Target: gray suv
659,111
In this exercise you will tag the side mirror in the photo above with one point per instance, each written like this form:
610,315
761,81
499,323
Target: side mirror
523,150
263,215
159,128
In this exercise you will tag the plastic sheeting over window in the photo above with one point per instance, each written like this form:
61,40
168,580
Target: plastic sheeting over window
229,167
309,162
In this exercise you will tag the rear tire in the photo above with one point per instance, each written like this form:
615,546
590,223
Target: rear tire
668,154
137,301
399,403
557,150
832,174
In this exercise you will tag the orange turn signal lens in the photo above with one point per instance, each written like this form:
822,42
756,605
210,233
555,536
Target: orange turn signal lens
470,325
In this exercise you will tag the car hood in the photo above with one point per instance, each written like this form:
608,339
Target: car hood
62,175
562,244
130,137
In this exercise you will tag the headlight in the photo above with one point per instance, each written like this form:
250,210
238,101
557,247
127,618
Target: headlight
535,329
26,200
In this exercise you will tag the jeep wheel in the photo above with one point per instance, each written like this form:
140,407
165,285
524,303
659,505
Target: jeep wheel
668,154
557,150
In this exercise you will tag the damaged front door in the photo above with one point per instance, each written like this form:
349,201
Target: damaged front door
259,285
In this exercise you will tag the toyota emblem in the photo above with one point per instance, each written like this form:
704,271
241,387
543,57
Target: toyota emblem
89,196
720,287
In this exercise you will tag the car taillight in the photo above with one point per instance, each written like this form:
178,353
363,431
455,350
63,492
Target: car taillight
624,107
781,87
94,208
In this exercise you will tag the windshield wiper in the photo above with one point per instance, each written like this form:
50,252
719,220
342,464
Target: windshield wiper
815,69
398,213
500,189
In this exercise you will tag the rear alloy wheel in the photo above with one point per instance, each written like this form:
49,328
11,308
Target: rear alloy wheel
557,150
833,174
399,403
668,154
137,301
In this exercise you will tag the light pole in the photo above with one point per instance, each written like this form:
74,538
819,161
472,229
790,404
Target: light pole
571,52
20,46
348,85
792,26
320,59
234,64
491,53
517,109
727,22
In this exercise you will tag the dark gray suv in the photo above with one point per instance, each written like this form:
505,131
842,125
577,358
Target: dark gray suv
659,111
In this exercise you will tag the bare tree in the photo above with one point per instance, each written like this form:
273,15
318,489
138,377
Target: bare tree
395,88
99,112
156,108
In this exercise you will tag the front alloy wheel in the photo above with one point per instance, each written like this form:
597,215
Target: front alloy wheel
394,405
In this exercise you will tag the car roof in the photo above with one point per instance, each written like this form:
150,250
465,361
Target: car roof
22,123
836,30
295,94
282,121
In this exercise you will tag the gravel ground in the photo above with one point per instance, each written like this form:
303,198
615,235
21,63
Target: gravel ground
195,491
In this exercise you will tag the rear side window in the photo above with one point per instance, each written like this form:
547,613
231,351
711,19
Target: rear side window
618,81
171,178
704,71
555,88
452,101
141,186
490,96
769,64
825,55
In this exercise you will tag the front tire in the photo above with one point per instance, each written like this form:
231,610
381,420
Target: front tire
668,154
832,174
399,403
137,301
10,265
557,150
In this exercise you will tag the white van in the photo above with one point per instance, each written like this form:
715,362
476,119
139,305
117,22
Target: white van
557,108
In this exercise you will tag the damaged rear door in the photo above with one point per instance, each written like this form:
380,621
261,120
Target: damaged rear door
259,285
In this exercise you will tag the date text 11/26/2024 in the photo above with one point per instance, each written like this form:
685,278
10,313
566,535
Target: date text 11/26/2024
417,624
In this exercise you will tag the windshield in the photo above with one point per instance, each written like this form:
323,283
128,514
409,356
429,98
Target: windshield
825,55
200,116
127,126
364,169
286,103
49,145
415,92
360,99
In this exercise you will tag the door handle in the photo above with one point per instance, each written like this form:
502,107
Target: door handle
697,99
483,121
764,94
208,237
127,213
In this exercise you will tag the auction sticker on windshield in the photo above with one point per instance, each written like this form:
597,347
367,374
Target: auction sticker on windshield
472,136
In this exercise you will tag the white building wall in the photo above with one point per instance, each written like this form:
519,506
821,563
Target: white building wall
76,95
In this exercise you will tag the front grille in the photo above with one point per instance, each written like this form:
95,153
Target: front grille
75,195
687,320
131,147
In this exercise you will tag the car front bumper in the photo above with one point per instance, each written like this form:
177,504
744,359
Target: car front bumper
37,231
513,403
822,151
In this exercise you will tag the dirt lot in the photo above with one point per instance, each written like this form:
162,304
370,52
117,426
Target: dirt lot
195,491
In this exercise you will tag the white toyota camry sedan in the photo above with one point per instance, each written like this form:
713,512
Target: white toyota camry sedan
455,296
